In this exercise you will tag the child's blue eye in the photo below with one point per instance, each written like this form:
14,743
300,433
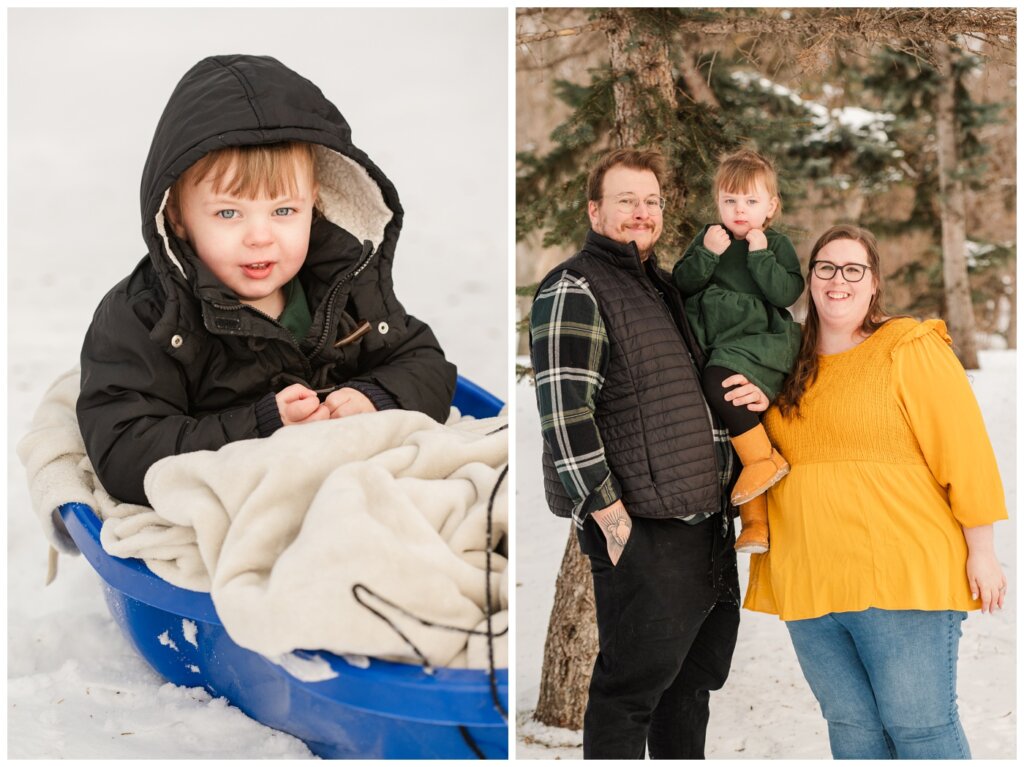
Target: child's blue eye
227,214
284,211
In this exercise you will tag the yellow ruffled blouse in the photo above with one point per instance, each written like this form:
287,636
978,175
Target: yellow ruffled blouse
889,458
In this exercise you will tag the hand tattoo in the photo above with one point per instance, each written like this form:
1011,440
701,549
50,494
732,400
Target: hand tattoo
617,530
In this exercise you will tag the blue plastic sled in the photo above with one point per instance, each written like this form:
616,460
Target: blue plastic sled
385,711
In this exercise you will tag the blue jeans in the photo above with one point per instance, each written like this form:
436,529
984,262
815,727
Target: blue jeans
885,681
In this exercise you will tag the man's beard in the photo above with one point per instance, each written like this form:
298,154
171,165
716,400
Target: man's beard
630,235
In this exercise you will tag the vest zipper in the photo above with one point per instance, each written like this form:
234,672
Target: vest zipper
689,355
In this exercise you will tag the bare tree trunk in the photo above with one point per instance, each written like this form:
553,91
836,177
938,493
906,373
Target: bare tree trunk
571,644
644,87
640,62
960,312
645,100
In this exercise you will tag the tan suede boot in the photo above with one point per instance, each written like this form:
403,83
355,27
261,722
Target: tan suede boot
763,465
754,533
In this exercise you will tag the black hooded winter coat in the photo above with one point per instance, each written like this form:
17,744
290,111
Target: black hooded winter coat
173,362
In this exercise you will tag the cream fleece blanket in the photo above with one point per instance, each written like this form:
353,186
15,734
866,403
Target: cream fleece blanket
281,530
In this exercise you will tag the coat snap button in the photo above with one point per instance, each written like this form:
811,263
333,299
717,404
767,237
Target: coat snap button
177,341
383,328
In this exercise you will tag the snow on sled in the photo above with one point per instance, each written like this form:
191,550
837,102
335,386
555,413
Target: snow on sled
367,708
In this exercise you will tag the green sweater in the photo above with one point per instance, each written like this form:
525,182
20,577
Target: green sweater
737,306
295,316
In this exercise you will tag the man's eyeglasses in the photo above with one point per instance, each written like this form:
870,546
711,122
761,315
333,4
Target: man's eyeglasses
825,270
627,203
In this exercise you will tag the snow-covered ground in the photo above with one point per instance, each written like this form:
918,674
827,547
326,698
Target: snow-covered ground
426,95
766,710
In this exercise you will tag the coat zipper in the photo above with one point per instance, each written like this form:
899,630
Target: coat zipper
333,296
328,315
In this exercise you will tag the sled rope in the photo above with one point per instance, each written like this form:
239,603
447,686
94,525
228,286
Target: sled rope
492,676
359,589
464,731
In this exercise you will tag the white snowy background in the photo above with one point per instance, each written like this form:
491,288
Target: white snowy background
425,92
766,710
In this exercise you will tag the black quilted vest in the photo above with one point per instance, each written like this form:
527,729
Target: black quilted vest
650,412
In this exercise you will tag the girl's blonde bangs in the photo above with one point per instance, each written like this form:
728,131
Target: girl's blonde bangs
741,178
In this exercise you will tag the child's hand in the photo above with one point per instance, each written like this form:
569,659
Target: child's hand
757,240
348,401
299,404
716,239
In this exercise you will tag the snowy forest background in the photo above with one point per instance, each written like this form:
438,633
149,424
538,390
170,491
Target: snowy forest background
426,95
862,110
848,110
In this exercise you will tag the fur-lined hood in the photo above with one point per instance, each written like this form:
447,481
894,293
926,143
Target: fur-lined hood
251,100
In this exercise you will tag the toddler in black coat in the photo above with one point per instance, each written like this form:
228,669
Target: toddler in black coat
266,297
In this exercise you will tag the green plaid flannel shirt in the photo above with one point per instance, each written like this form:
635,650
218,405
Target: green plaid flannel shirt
569,350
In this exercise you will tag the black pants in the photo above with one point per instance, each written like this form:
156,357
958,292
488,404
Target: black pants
737,420
667,619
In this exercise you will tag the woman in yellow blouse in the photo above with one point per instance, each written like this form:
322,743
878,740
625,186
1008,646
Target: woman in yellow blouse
881,535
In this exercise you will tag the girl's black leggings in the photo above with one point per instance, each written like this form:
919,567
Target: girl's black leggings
736,419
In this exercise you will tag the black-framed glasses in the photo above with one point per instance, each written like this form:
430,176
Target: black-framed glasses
627,203
825,270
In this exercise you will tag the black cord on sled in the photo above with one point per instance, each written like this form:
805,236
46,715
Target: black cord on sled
464,731
492,676
357,588
489,633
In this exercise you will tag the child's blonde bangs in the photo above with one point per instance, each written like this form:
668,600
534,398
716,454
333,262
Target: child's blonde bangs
741,171
744,178
269,170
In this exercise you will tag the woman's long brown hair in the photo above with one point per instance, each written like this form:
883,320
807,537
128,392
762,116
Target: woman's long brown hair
805,371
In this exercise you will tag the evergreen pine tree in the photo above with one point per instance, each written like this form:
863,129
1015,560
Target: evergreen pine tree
908,86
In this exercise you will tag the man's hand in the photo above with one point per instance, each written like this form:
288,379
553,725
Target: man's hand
346,401
756,239
616,525
745,393
716,239
299,404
